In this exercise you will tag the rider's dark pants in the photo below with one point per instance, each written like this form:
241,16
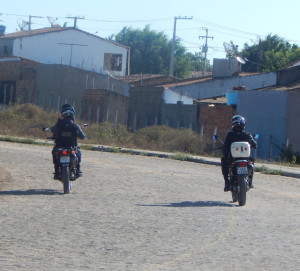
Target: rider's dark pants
225,170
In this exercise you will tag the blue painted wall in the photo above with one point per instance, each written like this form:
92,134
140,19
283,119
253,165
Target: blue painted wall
265,113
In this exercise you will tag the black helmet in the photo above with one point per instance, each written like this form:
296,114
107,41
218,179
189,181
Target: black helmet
68,114
67,107
238,123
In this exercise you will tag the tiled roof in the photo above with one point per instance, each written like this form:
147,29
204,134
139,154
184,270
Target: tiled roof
137,77
216,100
33,32
50,30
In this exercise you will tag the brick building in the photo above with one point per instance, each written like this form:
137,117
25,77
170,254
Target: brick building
17,80
214,117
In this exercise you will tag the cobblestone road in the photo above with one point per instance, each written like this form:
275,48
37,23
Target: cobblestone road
141,213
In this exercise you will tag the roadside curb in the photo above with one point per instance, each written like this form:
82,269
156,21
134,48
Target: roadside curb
282,170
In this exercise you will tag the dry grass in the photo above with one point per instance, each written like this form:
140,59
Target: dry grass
27,120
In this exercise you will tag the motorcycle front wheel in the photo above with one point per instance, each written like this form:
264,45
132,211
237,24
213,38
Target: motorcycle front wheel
243,189
234,196
66,179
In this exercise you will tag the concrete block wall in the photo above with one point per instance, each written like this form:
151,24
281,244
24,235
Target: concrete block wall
59,84
147,108
104,106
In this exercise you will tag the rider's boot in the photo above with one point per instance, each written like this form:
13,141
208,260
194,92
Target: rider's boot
79,172
56,173
251,182
227,186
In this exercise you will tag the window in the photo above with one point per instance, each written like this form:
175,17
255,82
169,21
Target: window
5,50
113,62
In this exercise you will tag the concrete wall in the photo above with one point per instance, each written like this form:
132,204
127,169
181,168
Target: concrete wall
179,116
59,84
287,76
69,47
105,106
265,113
225,67
171,97
293,120
6,47
147,107
218,87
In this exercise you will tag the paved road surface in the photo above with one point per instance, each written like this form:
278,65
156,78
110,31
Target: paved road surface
141,213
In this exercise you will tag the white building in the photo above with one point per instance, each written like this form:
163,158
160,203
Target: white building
67,46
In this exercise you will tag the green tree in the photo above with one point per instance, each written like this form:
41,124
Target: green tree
151,50
270,54
197,62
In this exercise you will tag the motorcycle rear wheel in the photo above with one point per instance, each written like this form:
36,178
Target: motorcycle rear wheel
243,189
66,180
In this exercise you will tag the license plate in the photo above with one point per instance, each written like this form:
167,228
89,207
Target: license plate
65,159
242,170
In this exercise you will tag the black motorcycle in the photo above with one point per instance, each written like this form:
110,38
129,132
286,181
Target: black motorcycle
67,166
241,169
68,161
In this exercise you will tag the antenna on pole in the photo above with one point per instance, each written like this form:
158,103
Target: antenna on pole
171,70
232,52
29,22
205,48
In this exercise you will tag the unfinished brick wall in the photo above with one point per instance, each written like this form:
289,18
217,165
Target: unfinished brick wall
214,118
18,76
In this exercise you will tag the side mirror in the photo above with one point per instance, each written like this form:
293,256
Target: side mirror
215,137
46,129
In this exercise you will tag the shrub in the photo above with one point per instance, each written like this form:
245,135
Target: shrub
168,139
27,120
287,155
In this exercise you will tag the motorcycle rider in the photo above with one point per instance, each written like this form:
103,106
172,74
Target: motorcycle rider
65,131
237,134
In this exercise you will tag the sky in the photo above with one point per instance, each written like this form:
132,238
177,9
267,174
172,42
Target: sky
238,21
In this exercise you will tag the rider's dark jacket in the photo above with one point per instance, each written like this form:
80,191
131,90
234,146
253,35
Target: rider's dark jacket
237,136
65,132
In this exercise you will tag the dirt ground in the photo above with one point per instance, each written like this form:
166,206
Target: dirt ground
141,213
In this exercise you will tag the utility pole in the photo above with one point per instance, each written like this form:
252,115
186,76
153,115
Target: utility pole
171,70
205,48
75,19
259,55
29,23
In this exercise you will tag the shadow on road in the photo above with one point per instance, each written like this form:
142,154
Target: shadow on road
30,192
192,204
